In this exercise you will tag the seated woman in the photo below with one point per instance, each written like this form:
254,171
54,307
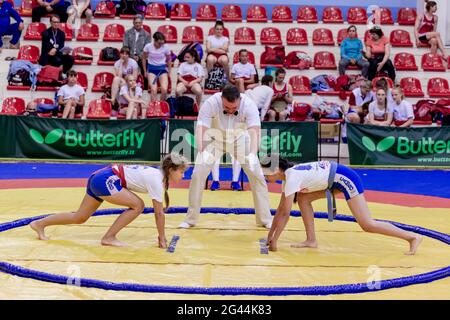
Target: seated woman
157,58
282,98
76,12
243,73
123,67
380,111
190,76
351,49
71,97
425,29
130,99
378,51
403,110
358,99
217,49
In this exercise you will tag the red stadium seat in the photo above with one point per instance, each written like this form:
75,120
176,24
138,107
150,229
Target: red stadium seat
79,59
307,15
158,109
342,34
206,12
405,61
400,38
114,32
300,111
432,62
34,31
105,10
29,52
324,60
289,64
192,33
181,11
406,16
102,62
82,79
68,31
271,35
281,14
300,85
386,16
438,87
26,7
88,32
256,13
231,13
226,33
389,80
251,57
170,32
99,109
262,64
244,35
13,106
102,81
332,15
156,11
296,36
147,28
44,101
357,15
411,87
323,37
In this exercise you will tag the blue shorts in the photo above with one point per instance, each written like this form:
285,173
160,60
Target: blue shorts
156,70
103,183
347,181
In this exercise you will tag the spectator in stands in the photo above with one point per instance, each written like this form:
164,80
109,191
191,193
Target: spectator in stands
122,68
403,110
53,51
217,49
380,111
136,39
76,11
190,76
378,51
425,29
262,95
384,84
7,12
71,97
130,99
358,102
243,73
158,64
31,109
282,98
351,53
45,7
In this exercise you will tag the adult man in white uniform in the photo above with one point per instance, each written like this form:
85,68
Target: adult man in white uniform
228,122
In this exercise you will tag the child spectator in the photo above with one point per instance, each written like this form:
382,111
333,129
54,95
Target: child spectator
71,97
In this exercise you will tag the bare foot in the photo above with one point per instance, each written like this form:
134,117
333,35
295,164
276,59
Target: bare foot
114,242
39,230
413,245
305,244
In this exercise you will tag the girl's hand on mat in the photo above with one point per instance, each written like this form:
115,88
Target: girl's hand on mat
162,242
272,245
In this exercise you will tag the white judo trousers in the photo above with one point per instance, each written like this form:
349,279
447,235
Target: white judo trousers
239,149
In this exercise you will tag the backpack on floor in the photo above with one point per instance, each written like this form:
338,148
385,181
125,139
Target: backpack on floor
216,79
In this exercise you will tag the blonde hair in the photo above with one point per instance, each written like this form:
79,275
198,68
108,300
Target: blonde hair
399,90
172,161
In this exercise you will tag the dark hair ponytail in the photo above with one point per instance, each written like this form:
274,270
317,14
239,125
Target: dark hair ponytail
172,161
430,4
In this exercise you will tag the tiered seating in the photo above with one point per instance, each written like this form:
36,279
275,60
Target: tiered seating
432,62
26,7
323,37
405,61
34,31
156,11
88,32
105,10
256,13
357,15
82,79
244,35
82,50
332,15
158,109
99,109
296,37
324,60
411,87
386,16
102,62
67,29
114,32
29,52
307,15
389,80
102,80
170,32
192,33
406,16
226,32
231,13
181,11
300,85
294,66
281,14
400,38
206,12
270,36
13,106
438,88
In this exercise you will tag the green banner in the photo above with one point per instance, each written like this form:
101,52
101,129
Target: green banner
376,145
47,138
296,141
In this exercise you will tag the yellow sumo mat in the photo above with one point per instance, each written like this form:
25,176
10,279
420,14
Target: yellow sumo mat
221,251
